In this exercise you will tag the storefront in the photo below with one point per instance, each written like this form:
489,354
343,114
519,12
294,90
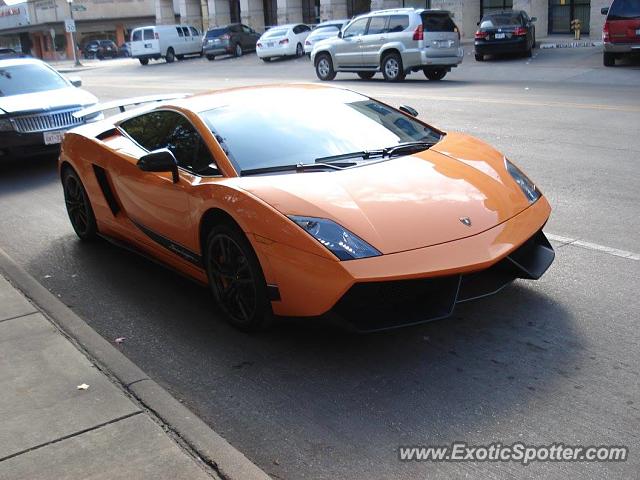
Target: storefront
561,12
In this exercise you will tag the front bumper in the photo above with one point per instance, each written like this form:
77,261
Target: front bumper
16,144
313,286
622,47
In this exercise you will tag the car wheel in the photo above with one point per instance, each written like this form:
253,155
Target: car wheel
299,50
324,67
608,59
143,61
366,75
435,75
238,50
392,69
236,279
170,56
78,206
211,58
266,59
479,58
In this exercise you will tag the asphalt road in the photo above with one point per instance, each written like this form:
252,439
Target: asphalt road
548,361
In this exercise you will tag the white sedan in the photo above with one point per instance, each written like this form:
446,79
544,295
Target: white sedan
322,32
283,41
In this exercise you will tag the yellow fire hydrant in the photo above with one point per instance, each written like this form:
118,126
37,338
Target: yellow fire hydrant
575,26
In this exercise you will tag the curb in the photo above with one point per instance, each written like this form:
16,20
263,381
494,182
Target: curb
575,44
227,461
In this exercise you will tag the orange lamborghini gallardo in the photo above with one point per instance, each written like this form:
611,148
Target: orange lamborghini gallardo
306,201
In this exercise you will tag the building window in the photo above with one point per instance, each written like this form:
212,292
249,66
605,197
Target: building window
416,3
488,6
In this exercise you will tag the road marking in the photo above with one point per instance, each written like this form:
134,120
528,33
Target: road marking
593,246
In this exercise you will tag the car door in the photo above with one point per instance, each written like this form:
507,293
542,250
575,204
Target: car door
196,40
440,34
249,38
373,39
347,49
159,207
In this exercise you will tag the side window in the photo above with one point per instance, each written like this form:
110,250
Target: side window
356,28
397,23
305,28
148,34
186,31
377,25
194,32
136,36
164,129
246,29
179,30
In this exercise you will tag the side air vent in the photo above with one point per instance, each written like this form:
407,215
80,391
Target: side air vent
108,133
103,181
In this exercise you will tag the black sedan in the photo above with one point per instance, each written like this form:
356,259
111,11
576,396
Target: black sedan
505,32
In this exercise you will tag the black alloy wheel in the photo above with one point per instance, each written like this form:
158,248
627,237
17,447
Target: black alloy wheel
236,279
78,206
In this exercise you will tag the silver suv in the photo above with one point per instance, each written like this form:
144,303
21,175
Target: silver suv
395,42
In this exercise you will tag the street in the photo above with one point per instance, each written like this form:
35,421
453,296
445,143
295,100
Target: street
549,361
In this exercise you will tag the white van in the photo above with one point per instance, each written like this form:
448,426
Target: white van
165,41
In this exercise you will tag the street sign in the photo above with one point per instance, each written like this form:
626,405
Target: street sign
78,8
69,25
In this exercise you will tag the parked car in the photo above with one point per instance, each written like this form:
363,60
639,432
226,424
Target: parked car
36,107
621,31
233,39
107,49
387,220
395,42
322,32
283,41
505,32
165,41
10,53
91,48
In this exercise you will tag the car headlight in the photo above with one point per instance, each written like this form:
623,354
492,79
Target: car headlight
338,240
527,186
5,125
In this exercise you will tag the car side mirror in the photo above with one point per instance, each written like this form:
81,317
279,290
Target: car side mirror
75,81
409,110
161,160
604,10
533,19
340,34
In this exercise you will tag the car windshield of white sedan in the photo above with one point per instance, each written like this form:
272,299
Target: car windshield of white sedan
280,132
28,78
275,33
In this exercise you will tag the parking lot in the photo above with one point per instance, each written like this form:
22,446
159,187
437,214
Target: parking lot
549,361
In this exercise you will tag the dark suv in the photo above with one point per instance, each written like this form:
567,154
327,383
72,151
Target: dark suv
233,39
621,31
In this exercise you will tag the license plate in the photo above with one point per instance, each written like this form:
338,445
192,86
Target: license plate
500,35
269,44
52,138
443,43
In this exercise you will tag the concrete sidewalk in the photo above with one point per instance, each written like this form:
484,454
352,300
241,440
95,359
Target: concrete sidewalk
72,406
53,429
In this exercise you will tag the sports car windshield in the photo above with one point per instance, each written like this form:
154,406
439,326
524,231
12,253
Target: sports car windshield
281,131
28,78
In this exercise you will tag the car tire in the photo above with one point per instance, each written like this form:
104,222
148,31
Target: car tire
78,206
237,50
236,279
170,57
299,50
479,58
392,68
435,74
324,67
366,75
608,59
211,58
143,61
266,59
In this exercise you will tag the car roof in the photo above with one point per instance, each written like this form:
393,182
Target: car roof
407,10
302,92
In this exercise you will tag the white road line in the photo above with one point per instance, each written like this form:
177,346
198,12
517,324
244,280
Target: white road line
593,246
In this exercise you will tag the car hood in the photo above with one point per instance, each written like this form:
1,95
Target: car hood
408,202
47,100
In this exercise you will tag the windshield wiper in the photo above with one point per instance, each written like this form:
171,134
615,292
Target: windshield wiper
400,149
299,167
